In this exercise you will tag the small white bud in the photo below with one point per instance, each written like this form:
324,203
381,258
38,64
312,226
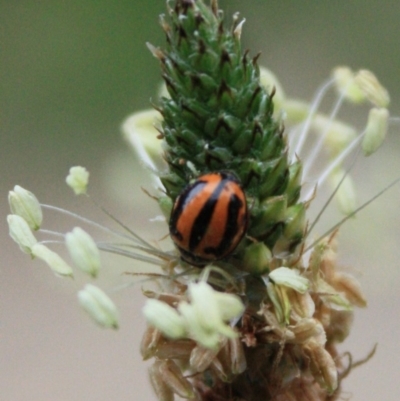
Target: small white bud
345,83
230,306
164,318
208,312
225,306
207,336
21,233
99,306
25,204
78,179
289,278
55,262
372,88
375,132
83,251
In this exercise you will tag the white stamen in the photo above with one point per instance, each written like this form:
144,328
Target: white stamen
364,205
335,163
315,104
316,149
135,238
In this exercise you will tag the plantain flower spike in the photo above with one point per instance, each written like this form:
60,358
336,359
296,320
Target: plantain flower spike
219,110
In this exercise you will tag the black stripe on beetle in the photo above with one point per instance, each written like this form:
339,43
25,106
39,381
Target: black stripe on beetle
231,229
202,221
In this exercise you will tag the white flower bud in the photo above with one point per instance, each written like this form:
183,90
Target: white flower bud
55,262
21,233
25,204
372,88
164,318
83,251
345,83
78,179
207,313
225,306
202,334
375,132
230,306
99,306
289,278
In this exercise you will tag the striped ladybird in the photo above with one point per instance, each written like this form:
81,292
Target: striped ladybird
209,218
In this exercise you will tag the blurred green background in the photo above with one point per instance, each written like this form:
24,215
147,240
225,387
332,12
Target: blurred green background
70,72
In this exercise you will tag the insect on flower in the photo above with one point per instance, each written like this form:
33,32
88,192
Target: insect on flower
209,218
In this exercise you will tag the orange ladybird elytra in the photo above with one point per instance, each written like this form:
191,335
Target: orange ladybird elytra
209,218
